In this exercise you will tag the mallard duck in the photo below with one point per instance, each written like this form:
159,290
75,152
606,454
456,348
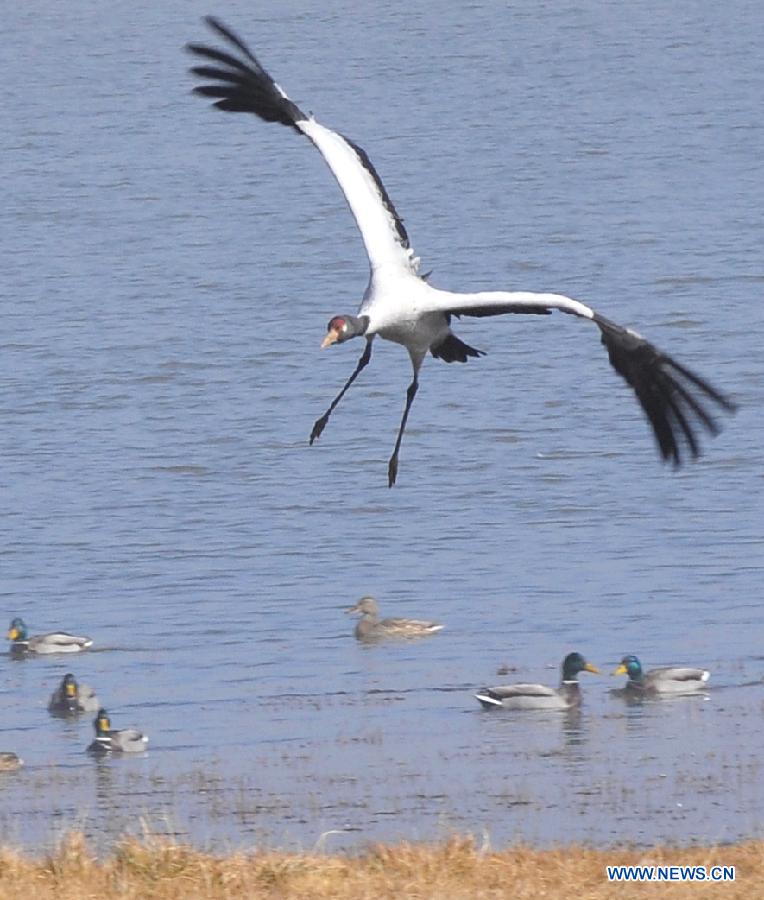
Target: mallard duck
108,740
54,642
10,762
666,680
539,696
71,698
371,628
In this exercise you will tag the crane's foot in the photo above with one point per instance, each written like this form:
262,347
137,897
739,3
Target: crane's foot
318,427
392,470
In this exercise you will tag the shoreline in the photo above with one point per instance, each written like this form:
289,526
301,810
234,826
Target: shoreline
158,868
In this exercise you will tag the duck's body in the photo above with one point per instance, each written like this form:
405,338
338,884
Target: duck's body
110,740
666,680
539,696
371,628
72,698
53,642
10,762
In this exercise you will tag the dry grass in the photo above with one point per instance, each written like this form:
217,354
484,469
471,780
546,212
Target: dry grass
158,870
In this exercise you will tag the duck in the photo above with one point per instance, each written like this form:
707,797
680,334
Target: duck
371,628
665,680
72,698
10,762
539,696
109,740
53,642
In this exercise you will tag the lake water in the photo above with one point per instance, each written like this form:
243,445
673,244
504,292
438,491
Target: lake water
168,273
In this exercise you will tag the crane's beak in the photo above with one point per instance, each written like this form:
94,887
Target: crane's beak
590,668
621,670
331,338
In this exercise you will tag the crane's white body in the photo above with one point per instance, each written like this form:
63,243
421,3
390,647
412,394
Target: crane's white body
407,310
401,306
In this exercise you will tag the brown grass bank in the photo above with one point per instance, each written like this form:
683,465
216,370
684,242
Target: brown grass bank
455,870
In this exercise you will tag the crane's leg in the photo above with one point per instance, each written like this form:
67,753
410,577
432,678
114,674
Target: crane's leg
320,424
392,466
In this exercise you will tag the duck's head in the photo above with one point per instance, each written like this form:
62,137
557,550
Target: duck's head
102,724
17,630
342,328
366,606
630,666
69,687
575,663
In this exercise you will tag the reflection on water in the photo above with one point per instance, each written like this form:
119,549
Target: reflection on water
573,731
634,698
168,274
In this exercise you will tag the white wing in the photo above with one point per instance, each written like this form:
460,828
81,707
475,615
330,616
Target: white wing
496,303
382,229
242,85
671,396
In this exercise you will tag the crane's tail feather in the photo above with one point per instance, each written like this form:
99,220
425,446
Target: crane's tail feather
242,86
671,396
451,349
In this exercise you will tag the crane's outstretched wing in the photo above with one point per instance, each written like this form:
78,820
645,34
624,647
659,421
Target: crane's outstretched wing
675,400
241,84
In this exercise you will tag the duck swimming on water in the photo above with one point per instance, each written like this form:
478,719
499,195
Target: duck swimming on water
665,680
109,740
10,762
539,696
371,628
72,698
53,642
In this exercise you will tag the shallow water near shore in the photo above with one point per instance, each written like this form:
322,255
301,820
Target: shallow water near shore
168,275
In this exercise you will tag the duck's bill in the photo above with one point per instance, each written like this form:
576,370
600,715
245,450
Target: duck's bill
588,667
13,634
351,610
331,338
621,670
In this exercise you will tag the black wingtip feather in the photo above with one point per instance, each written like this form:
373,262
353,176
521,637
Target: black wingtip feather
216,25
241,85
671,396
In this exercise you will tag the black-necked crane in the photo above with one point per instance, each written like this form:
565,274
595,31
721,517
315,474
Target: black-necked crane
400,305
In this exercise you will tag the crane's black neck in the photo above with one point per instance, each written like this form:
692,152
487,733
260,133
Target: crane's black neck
357,325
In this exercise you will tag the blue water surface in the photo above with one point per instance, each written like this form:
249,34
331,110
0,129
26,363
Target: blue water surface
168,273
